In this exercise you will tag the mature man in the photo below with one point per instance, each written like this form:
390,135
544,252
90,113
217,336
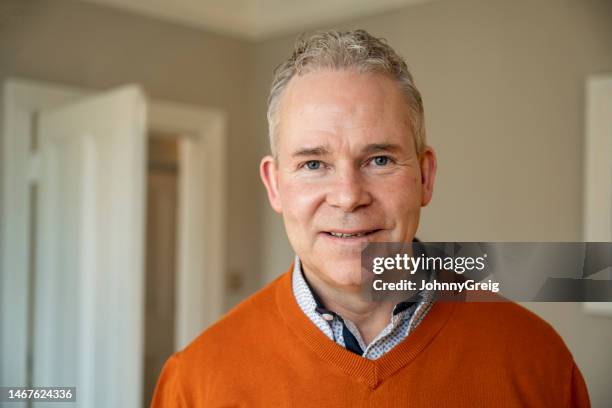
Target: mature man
349,165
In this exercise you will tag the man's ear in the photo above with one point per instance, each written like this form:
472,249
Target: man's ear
269,176
429,166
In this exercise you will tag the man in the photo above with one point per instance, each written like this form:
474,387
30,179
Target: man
350,165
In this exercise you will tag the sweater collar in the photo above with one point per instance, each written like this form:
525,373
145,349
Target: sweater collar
370,372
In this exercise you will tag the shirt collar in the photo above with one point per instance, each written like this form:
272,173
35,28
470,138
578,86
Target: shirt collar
309,301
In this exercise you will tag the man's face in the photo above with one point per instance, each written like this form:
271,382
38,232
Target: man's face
347,171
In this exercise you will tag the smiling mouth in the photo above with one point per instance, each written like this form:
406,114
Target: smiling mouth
351,235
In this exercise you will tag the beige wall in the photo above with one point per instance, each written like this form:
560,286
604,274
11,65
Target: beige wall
503,85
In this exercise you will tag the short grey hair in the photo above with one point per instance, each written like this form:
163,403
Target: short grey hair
346,50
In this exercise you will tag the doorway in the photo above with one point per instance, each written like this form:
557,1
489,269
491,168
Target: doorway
160,259
98,178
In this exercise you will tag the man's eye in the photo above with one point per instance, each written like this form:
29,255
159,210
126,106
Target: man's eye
313,164
381,160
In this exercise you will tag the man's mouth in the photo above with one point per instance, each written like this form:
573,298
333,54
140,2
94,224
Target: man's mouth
355,234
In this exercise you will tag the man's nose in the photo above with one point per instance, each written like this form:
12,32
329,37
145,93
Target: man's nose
349,191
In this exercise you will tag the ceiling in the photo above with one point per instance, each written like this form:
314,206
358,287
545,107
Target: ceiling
256,19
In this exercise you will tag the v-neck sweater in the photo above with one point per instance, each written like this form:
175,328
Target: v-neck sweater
266,352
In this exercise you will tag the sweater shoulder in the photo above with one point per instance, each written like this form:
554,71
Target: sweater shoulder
222,353
518,344
512,327
504,316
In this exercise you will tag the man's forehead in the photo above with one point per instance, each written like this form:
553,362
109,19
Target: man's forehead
302,139
328,111
330,133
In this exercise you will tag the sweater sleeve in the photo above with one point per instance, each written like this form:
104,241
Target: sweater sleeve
579,397
168,392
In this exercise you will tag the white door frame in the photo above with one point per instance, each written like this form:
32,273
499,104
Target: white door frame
201,213
598,159
598,171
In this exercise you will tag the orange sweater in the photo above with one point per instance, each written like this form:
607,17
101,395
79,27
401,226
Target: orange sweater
266,353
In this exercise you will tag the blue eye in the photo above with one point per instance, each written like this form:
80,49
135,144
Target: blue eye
313,164
381,160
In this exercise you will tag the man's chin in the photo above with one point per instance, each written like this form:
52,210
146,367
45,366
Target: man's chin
345,274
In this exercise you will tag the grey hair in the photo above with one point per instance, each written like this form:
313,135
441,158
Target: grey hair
346,50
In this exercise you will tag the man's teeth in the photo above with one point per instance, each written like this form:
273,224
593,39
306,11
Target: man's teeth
341,235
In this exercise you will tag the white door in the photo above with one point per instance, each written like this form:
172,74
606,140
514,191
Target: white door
88,311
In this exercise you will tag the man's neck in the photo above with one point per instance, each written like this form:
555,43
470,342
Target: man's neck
369,317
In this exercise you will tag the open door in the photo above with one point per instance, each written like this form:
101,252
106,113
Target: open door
89,282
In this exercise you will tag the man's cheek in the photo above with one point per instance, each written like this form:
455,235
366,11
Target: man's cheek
303,197
412,181
411,192
402,191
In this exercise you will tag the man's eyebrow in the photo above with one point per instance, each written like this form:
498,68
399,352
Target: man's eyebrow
310,151
381,147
